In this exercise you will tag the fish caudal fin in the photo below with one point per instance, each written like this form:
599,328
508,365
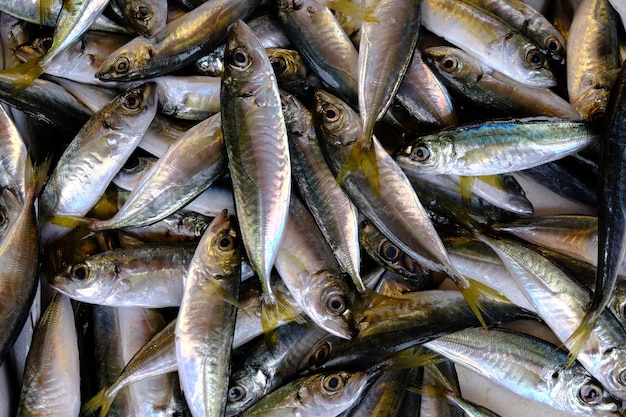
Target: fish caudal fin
23,75
577,340
472,293
99,401
363,157
352,9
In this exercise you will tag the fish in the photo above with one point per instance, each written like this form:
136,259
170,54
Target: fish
177,44
206,320
258,154
146,17
496,147
97,152
54,352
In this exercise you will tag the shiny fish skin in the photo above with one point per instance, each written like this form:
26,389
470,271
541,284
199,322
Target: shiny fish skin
52,380
385,52
473,79
258,151
593,59
338,124
206,321
328,394
95,155
542,371
179,43
496,147
505,49
332,209
311,273
160,192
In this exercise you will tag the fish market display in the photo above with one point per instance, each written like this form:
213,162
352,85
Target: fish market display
312,207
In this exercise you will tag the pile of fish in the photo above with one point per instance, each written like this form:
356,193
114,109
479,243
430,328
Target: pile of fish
310,207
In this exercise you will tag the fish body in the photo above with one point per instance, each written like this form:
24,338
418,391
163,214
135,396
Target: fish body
206,321
487,37
258,150
95,155
179,43
496,147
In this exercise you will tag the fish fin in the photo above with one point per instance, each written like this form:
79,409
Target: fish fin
269,320
442,387
413,357
99,401
363,157
352,9
466,183
224,295
70,221
580,336
472,294
23,74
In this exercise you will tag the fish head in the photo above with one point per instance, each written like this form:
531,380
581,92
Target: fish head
528,63
618,302
144,17
245,62
574,386
127,63
455,65
246,387
329,304
222,247
89,280
135,106
334,390
428,155
341,126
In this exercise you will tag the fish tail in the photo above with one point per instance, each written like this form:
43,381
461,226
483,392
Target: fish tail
414,357
70,221
353,9
23,74
579,337
473,291
363,157
466,183
99,401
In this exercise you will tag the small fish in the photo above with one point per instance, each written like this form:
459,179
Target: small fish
496,147
206,320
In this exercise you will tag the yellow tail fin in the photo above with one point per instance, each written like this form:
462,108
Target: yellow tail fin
352,9
23,75
411,358
472,294
466,184
99,401
362,157
275,308
579,337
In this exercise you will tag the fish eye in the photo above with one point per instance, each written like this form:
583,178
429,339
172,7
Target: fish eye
621,310
142,13
44,44
3,218
590,394
553,45
449,64
122,65
226,242
79,272
236,393
132,164
336,304
420,153
279,64
389,251
534,58
240,58
321,355
131,100
330,113
332,383
622,377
